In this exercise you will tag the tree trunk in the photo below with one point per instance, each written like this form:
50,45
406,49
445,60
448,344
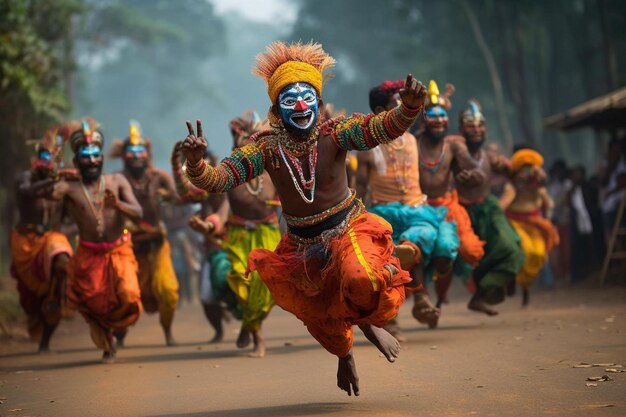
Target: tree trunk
493,73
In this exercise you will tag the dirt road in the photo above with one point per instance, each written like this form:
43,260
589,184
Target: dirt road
520,363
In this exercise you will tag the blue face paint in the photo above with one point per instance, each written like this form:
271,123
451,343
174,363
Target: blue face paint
299,107
45,156
435,112
89,151
136,152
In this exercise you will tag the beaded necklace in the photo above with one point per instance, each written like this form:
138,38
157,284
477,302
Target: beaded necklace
96,204
432,166
259,187
296,147
309,184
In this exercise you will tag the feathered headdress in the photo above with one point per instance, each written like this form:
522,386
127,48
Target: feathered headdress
86,133
246,125
473,113
437,99
118,146
283,64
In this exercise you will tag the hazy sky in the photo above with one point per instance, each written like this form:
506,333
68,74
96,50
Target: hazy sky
258,10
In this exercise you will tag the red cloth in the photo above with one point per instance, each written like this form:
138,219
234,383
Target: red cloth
331,295
102,284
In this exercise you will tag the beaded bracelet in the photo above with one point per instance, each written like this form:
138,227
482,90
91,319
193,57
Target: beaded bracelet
361,132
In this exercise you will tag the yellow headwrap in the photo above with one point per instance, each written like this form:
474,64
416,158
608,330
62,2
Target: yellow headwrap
283,64
292,72
525,157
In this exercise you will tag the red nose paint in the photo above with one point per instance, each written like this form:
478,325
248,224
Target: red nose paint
300,106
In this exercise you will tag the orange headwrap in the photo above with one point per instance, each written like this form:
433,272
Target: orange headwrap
525,157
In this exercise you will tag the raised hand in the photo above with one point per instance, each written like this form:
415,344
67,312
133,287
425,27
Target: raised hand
194,146
177,152
413,94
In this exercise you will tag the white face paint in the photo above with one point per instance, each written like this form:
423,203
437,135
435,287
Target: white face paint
298,106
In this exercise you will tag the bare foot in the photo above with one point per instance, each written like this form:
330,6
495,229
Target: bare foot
393,328
259,345
477,304
108,357
347,379
244,338
218,337
424,311
170,341
383,340
119,339
406,255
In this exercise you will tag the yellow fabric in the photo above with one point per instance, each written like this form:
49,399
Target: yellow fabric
159,286
250,290
534,247
292,72
526,157
362,261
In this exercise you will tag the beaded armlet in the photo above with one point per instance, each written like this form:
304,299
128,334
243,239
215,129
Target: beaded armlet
241,166
362,132
187,192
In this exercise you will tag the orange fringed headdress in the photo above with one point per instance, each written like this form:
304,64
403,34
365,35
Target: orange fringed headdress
525,157
283,64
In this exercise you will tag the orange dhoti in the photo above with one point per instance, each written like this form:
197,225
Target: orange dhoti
103,286
157,279
471,248
32,256
337,281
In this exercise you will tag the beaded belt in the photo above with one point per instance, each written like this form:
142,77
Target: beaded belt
303,222
333,226
106,246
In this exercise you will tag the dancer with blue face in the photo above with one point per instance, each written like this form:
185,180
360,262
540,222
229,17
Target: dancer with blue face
334,268
441,155
299,108
151,187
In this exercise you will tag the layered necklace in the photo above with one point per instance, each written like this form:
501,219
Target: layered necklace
432,166
96,204
301,183
400,170
283,144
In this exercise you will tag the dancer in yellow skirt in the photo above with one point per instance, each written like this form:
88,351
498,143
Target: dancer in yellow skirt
538,235
157,278
252,224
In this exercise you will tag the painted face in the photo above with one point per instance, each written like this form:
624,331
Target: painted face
474,132
43,164
89,162
436,121
136,152
299,109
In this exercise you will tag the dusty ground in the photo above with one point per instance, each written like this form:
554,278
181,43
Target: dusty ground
517,364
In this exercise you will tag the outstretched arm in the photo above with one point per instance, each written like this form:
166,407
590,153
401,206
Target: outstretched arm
361,132
241,166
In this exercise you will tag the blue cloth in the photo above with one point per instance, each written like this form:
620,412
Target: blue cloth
425,226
